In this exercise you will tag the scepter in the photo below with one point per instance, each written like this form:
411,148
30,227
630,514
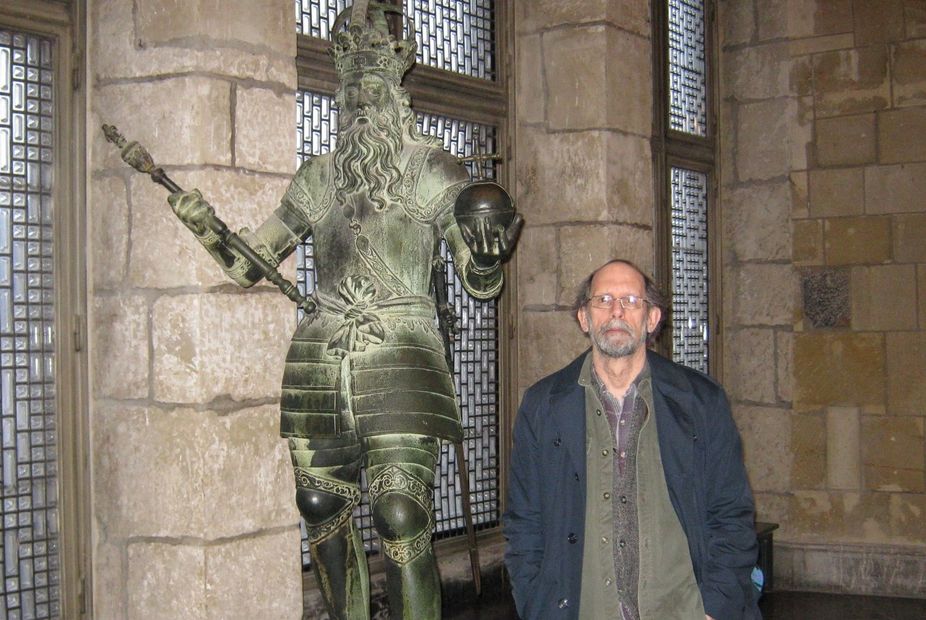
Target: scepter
138,157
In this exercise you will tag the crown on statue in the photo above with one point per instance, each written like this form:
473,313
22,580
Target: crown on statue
363,50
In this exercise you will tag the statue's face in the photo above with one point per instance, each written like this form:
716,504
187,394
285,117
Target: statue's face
365,97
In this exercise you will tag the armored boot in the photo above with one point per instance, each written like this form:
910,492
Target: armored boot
327,493
401,499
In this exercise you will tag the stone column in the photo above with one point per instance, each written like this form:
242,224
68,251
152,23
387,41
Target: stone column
764,133
193,511
584,173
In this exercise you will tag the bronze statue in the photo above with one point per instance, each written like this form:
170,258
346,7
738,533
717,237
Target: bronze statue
366,381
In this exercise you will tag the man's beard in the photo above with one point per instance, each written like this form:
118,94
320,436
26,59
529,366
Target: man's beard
622,348
367,156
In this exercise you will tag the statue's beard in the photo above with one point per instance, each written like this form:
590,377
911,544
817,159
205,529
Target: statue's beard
367,157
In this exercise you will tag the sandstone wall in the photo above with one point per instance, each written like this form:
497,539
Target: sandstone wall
193,512
584,179
823,122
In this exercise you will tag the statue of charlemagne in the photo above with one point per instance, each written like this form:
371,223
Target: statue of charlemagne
366,382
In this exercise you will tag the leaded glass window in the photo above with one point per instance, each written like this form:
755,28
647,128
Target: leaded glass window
315,17
455,35
475,348
684,169
29,560
690,275
687,74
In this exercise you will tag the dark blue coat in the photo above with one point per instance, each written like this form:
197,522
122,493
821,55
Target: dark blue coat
544,522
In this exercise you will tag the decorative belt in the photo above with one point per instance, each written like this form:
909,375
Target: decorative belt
361,323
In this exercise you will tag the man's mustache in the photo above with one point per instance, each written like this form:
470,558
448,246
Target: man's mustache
615,324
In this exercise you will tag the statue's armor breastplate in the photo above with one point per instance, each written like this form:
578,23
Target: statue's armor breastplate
388,246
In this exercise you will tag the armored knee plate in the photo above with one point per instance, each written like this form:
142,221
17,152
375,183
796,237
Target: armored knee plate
402,513
325,504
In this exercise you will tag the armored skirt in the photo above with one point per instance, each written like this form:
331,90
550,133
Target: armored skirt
367,370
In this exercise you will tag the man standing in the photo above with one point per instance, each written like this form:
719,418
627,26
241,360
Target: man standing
366,382
627,496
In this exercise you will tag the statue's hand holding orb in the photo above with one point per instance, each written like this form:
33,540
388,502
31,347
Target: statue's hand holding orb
488,222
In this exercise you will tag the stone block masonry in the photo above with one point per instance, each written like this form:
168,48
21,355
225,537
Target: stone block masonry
193,491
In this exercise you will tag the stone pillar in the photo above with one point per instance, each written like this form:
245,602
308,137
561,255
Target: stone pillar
823,168
193,511
584,173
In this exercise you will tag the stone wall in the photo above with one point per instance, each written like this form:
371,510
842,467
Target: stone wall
193,512
823,122
584,177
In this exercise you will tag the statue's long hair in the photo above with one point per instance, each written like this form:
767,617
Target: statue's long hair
368,155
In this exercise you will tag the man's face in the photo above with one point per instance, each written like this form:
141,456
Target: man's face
618,332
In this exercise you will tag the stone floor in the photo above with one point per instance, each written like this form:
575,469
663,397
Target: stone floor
775,606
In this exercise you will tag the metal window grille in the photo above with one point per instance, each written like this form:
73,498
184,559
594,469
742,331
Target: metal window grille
315,17
475,349
29,560
689,268
687,73
454,35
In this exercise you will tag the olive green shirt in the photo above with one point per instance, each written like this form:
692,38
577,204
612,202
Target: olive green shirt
667,589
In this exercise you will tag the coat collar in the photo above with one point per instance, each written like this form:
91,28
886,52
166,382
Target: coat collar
567,404
672,391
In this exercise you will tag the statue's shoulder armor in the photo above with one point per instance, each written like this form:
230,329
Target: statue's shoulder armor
312,189
433,179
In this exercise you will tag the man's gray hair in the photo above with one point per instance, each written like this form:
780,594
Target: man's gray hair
653,294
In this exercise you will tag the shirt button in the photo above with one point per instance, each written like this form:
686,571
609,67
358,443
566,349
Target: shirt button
604,453
607,581
623,499
572,538
623,421
557,442
604,540
623,454
563,603
607,495
622,544
597,411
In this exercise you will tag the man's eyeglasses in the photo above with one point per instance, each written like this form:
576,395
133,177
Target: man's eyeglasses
628,302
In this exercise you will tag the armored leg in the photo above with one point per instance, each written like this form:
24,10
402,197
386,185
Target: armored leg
327,491
400,469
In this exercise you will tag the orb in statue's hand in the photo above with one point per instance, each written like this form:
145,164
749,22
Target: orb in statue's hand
484,203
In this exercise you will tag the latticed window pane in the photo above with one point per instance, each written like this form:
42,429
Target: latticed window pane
689,268
454,35
315,17
687,74
29,561
475,349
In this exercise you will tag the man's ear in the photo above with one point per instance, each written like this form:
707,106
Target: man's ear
582,317
652,318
